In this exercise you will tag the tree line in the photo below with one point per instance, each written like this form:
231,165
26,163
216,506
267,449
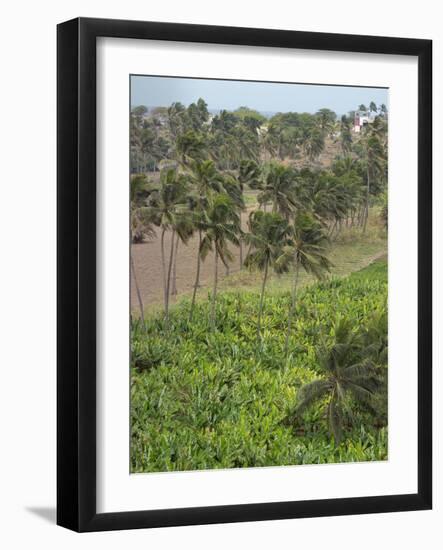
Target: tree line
209,162
166,133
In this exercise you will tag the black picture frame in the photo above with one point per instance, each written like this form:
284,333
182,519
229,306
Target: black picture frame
76,280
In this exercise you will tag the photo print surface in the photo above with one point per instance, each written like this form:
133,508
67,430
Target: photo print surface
258,269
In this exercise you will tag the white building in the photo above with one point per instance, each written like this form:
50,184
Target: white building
361,118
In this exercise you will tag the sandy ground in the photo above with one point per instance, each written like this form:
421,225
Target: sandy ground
148,266
346,256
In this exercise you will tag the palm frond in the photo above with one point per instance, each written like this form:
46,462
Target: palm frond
310,393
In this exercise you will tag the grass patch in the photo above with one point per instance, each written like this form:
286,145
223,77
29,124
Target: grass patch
352,251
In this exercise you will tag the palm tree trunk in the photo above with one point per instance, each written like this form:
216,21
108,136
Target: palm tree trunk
168,281
331,231
265,276
366,214
274,206
197,276
162,241
292,308
361,214
241,254
214,289
174,269
137,288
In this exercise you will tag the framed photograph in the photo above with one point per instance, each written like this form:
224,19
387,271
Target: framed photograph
244,274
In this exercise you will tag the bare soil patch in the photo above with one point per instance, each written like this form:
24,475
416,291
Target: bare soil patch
148,266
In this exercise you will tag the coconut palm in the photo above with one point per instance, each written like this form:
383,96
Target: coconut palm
205,181
326,119
345,134
314,143
224,147
372,107
198,221
167,209
184,229
268,235
233,187
384,210
177,119
279,188
307,250
344,165
204,178
328,196
375,340
221,226
348,376
141,225
375,155
249,174
198,114
190,146
247,143
270,139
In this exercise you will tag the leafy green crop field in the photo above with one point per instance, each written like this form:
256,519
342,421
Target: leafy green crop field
204,398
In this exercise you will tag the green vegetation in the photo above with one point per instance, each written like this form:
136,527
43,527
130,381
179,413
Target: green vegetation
211,399
263,369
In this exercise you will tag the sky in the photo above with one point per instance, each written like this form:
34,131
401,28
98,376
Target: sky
155,91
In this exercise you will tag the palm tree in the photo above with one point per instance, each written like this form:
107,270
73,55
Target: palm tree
205,178
326,119
198,114
270,138
345,134
184,229
221,225
247,143
373,107
167,208
177,119
348,375
384,209
374,153
383,110
268,235
205,181
233,187
224,145
314,143
279,188
307,250
249,174
330,196
190,146
141,225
